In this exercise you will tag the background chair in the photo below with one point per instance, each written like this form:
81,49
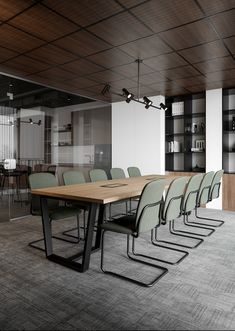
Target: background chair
172,209
213,193
133,171
97,175
190,203
118,173
71,177
56,212
146,218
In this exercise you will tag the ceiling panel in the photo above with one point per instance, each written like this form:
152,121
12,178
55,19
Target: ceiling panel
111,58
120,29
178,73
52,55
80,82
161,15
87,12
57,74
219,76
6,54
43,23
82,67
105,76
205,52
82,43
17,40
211,7
225,23
131,3
11,8
230,42
189,35
27,65
131,69
146,47
220,63
152,78
166,61
191,81
178,44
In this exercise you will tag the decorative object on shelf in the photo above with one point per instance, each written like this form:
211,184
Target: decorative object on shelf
199,146
198,169
202,127
188,128
194,128
233,123
130,96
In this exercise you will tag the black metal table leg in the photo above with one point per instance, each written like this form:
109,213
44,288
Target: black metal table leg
46,227
69,262
100,221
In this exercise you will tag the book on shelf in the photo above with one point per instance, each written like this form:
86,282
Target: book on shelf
177,108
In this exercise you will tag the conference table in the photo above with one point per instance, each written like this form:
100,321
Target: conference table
97,194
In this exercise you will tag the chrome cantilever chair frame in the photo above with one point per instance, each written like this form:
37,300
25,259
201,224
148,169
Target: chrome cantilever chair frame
187,223
207,218
172,229
164,270
143,221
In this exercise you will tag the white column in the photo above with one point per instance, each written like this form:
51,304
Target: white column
138,136
214,137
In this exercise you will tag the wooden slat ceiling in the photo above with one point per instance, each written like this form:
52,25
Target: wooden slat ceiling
79,46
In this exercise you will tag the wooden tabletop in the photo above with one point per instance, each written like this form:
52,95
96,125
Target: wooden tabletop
102,192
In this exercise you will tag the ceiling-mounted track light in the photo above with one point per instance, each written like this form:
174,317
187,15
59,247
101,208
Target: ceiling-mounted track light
164,107
147,102
129,96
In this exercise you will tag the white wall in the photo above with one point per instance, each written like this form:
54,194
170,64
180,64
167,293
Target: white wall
214,137
138,136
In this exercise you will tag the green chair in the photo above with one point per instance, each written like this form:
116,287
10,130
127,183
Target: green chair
118,173
210,190
190,203
172,210
56,212
133,172
97,175
71,177
147,218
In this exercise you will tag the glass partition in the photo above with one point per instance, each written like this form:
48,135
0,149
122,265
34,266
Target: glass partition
48,130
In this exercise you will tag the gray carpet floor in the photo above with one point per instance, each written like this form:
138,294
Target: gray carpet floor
197,294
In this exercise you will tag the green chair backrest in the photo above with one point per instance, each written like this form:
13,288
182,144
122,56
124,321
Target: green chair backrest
148,210
204,190
73,177
173,200
191,193
215,185
117,173
42,180
133,171
97,174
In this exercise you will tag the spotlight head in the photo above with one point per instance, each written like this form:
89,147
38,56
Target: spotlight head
164,107
11,123
129,96
30,121
147,102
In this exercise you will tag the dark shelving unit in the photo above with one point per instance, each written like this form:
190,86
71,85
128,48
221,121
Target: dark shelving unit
184,133
228,131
